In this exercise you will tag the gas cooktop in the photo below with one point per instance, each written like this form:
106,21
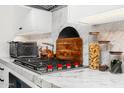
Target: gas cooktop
46,66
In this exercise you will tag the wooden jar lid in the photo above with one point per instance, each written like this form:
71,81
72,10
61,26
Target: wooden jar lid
94,33
103,42
115,52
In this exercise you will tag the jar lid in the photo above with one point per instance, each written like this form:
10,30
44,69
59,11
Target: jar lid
94,33
115,52
103,42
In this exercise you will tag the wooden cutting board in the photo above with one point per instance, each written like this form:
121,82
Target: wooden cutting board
69,49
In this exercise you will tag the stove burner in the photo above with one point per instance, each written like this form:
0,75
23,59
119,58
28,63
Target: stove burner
41,66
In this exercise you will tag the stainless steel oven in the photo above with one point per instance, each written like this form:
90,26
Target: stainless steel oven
15,82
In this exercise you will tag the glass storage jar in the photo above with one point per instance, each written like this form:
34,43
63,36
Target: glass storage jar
104,52
94,51
116,59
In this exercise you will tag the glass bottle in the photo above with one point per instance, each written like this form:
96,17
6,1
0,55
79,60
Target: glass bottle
94,51
104,52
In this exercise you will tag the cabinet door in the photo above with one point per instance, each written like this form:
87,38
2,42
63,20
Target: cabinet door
2,71
22,17
32,20
4,76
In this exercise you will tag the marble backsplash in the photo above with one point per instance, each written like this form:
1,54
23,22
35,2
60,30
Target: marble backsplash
114,32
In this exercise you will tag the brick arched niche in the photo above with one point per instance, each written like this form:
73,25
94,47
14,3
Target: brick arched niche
69,46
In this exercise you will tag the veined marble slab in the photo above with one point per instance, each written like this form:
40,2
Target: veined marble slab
86,78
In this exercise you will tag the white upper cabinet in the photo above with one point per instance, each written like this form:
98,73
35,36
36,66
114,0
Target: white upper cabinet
41,20
34,21
22,18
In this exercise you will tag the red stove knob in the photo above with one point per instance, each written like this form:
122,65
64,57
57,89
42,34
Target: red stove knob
68,65
49,67
76,64
59,66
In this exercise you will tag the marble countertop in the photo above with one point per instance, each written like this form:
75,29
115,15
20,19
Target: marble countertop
86,78
80,78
